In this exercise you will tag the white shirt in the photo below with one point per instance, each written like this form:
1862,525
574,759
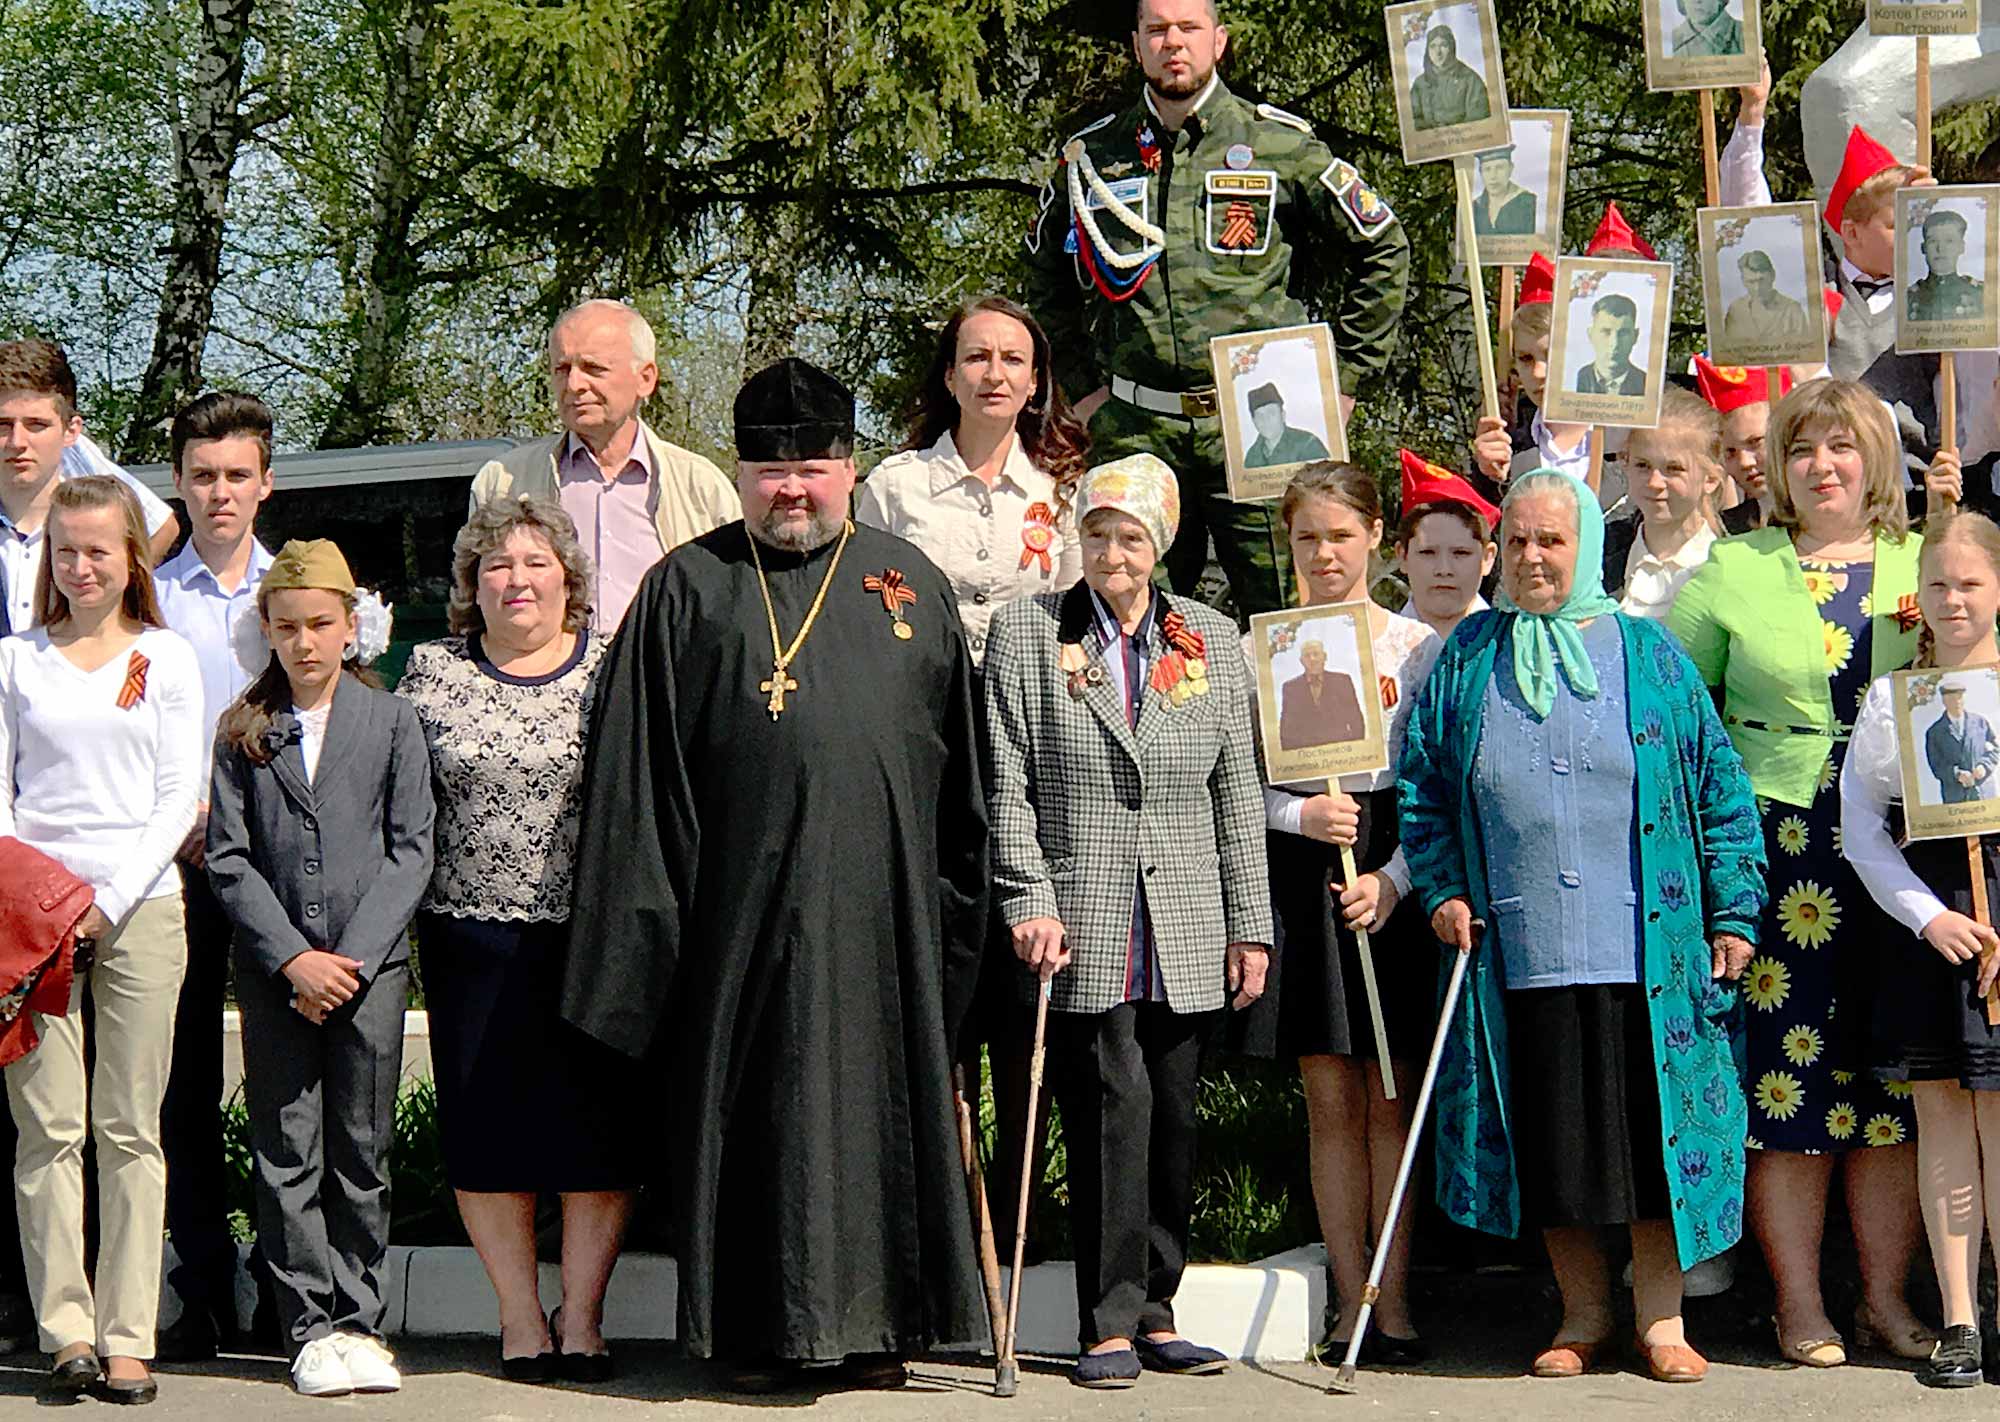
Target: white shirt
21,553
312,736
1871,781
1652,582
1741,169
195,606
976,535
1879,300
109,793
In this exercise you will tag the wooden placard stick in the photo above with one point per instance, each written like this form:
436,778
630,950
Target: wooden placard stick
1923,101
1507,294
1368,978
1711,165
1475,282
1983,915
1595,475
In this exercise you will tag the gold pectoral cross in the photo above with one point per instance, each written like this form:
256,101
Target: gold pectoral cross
778,684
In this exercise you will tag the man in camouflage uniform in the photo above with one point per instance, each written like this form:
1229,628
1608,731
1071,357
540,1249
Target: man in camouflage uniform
1176,221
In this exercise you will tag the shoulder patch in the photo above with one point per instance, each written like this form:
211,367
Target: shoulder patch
1363,206
1278,115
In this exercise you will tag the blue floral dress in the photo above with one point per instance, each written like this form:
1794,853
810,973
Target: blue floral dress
1807,992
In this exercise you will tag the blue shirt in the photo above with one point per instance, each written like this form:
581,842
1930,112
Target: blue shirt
1556,801
196,606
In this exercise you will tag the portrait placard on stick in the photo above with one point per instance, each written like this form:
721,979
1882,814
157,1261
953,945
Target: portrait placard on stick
1517,194
1278,396
1319,706
1947,256
1703,44
1923,17
1760,285
1608,349
1948,735
1451,97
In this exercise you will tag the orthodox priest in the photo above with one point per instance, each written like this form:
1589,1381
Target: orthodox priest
780,895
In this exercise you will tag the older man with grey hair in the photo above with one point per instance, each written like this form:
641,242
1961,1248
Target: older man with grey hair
633,496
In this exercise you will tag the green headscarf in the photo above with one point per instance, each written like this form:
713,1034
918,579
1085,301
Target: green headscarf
1544,639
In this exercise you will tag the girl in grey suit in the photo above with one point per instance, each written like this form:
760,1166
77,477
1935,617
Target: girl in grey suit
1129,864
319,847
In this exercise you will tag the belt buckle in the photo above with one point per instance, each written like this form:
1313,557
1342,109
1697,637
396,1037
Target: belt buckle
1198,404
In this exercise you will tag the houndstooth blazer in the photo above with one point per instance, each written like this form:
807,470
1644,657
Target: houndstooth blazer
1083,804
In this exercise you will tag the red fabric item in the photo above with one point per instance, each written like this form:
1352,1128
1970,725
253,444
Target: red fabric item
1614,234
1863,160
1731,387
41,904
1427,483
1538,283
1834,301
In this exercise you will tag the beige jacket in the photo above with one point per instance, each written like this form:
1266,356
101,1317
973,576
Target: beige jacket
689,497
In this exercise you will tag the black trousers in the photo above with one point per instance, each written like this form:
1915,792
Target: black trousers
1125,1080
191,1112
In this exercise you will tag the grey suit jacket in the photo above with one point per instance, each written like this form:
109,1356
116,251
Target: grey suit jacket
1084,804
339,863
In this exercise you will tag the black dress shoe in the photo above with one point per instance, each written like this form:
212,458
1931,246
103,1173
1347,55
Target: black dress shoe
878,1371
77,1374
535,1368
578,1367
1106,1370
1390,1349
1177,1355
129,1392
1954,1361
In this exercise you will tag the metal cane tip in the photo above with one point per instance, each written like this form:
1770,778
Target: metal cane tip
1006,1380
1346,1377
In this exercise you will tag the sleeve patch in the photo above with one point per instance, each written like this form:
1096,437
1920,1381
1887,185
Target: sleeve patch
1365,208
1278,115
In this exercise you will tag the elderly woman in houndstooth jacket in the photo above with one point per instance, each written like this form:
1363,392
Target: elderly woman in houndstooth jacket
1129,862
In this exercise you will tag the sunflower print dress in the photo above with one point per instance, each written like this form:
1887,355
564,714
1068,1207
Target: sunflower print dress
1807,990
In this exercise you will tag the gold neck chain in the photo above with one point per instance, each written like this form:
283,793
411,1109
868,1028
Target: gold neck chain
781,681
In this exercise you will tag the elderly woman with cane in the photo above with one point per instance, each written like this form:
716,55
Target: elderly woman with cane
1566,781
1129,862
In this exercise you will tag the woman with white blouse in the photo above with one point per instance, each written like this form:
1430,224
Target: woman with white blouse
100,764
985,487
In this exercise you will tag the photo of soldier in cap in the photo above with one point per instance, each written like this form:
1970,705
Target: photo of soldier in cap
1446,90
1501,207
1517,189
1444,64
1277,442
1947,249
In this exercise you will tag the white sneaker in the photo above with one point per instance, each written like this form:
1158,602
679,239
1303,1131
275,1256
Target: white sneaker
320,1371
369,1363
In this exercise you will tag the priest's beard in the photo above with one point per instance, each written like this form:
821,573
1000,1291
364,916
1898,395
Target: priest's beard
817,531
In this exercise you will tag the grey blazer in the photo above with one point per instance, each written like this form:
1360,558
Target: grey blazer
339,863
1083,804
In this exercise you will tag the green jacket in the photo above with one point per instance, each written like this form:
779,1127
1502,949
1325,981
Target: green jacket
1701,872
1755,632
1294,446
1215,278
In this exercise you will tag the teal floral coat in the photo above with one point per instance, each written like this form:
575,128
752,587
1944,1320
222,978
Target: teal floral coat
1701,866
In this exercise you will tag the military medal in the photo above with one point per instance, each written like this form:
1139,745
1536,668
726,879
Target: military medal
1075,663
1149,148
1038,535
781,680
1182,674
895,594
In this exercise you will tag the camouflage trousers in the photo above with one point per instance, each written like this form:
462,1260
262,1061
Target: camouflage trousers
1250,540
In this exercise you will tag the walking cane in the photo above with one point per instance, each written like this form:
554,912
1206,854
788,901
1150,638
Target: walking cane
1006,1375
1374,1289
982,1217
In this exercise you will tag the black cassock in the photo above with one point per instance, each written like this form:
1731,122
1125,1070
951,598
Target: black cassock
783,917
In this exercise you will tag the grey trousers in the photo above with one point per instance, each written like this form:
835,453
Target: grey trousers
322,1103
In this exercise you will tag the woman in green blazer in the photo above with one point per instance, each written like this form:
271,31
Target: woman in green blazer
1788,625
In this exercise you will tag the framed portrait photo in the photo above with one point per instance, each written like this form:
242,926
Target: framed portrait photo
1923,17
1948,739
1702,44
1277,394
1608,348
1444,58
1947,256
1517,189
1319,706
1760,285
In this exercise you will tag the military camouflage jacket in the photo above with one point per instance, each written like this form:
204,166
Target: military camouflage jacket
1233,193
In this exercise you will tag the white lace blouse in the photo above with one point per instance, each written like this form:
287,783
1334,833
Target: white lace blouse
507,766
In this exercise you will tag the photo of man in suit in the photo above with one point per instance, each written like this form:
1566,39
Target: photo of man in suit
1277,442
1942,294
1614,331
1961,749
1318,707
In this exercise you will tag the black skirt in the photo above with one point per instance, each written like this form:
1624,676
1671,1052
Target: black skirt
1586,1110
526,1102
1315,999
1928,1021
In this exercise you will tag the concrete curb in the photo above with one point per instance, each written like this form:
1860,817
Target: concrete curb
1268,1311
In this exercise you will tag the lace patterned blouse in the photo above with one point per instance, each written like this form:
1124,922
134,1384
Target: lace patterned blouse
507,764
